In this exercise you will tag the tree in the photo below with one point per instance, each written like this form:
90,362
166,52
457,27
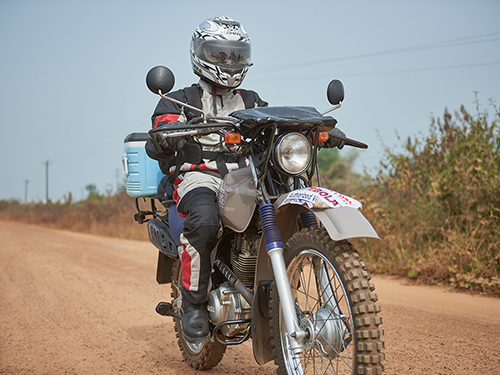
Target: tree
93,194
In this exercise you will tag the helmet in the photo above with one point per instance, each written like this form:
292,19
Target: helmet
220,52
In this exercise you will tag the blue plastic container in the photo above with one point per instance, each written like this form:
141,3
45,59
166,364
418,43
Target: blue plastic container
142,174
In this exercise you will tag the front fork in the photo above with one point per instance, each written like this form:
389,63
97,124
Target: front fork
274,246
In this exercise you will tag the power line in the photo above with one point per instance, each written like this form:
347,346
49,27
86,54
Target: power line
386,72
484,38
417,70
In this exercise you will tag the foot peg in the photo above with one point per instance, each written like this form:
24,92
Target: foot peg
166,309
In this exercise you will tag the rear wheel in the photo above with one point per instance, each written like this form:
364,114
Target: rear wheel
199,356
335,303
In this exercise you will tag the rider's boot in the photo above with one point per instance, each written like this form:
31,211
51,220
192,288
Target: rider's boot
194,322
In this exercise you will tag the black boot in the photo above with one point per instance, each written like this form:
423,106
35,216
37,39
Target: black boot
194,322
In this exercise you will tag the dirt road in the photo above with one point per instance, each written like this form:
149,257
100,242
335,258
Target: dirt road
72,303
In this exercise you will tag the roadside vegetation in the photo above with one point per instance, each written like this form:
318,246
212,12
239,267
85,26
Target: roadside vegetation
435,205
104,215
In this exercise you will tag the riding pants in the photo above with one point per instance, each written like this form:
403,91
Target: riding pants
198,239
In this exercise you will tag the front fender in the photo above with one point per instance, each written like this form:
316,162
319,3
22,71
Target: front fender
338,213
345,222
341,222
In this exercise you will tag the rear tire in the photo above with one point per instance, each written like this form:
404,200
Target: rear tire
334,299
199,356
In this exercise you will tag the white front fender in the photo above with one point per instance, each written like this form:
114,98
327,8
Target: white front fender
339,213
344,222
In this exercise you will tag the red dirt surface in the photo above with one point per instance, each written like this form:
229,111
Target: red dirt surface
73,303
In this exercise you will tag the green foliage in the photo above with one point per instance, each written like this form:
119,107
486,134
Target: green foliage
93,193
437,205
336,170
412,274
327,157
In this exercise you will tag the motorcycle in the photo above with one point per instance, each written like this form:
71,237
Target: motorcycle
284,274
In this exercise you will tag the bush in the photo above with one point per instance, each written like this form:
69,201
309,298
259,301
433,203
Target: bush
437,205
105,216
337,173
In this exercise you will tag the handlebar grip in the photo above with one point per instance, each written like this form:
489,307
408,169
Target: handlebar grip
350,142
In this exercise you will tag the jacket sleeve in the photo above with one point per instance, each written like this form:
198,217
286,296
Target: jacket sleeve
164,113
259,102
167,111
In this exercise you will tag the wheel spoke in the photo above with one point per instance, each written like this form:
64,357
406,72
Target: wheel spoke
315,286
326,277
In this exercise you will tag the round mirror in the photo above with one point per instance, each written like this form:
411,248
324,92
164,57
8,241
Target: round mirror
335,92
160,79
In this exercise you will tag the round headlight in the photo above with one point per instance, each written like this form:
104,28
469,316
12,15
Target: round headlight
293,153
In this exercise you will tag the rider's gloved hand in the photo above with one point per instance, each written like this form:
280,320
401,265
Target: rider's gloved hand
335,142
169,143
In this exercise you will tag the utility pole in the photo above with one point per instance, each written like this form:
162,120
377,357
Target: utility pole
26,191
47,163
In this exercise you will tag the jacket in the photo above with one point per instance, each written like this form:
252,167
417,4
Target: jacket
214,102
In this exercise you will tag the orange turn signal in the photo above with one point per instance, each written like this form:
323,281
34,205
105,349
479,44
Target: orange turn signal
323,137
232,138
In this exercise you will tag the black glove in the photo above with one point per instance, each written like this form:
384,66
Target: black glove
335,142
170,143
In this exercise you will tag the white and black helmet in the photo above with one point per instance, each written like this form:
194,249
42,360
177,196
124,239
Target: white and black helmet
220,52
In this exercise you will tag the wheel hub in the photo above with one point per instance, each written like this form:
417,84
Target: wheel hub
308,326
330,331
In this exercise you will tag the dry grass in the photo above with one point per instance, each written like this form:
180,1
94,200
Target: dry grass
436,206
111,216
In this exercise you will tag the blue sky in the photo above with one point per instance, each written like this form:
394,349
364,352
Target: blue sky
72,73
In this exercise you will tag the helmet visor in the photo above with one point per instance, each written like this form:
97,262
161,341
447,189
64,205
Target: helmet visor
230,54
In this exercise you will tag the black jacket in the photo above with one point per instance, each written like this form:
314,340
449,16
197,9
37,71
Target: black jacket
167,111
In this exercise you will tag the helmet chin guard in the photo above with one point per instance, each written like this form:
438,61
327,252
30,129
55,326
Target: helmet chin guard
220,52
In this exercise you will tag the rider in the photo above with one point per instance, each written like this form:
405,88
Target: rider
220,56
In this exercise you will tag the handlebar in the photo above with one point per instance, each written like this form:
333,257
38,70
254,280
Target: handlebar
194,129
214,127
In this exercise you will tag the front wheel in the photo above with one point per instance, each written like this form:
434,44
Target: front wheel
335,305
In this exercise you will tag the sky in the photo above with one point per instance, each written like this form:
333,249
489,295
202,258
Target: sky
72,74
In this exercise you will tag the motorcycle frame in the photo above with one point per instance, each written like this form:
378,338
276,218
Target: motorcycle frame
340,223
270,262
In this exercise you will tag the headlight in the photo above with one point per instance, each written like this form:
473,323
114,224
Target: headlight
293,153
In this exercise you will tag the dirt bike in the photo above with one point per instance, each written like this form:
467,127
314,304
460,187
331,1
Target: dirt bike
284,274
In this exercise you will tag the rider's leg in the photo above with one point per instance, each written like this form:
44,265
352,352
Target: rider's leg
199,237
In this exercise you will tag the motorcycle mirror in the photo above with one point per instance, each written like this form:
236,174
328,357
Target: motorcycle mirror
160,79
335,92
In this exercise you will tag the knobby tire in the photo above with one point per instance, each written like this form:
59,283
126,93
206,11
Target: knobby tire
200,357
359,351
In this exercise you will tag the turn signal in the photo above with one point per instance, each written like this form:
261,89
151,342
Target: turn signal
232,138
323,137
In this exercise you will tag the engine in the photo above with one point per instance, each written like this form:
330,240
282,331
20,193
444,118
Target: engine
225,303
244,258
